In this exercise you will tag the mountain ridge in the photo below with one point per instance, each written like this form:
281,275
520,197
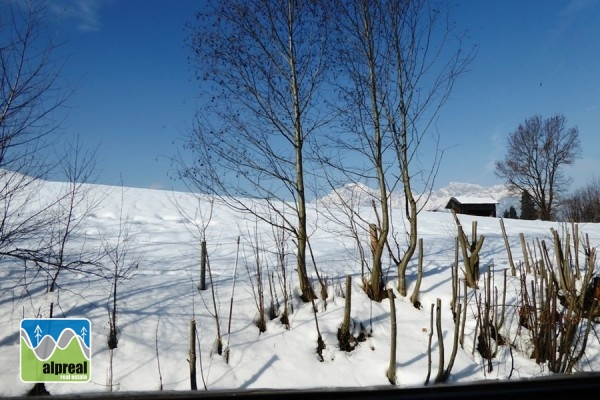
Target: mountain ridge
359,195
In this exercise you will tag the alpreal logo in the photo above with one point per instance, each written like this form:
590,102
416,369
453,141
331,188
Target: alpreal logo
56,350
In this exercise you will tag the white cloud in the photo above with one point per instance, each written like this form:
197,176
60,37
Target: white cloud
496,147
575,7
85,12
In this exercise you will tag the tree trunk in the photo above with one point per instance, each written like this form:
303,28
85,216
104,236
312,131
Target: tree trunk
391,373
377,271
348,305
202,285
440,337
305,287
412,240
192,360
345,339
414,299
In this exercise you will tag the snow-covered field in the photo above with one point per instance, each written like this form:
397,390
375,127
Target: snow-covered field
157,302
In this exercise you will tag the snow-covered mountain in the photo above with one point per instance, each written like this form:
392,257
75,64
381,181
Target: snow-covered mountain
439,198
358,195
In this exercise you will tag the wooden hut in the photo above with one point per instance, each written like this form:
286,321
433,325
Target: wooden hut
479,206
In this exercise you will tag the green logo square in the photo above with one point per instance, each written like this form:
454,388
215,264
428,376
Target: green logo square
56,350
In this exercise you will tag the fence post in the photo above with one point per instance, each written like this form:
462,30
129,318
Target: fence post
513,271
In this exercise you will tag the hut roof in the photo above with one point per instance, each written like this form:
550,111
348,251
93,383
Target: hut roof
474,200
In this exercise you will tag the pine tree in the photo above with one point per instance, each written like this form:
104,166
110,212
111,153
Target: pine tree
512,213
528,208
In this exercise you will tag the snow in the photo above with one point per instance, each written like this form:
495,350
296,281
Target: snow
156,304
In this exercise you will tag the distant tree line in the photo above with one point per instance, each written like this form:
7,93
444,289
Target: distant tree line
584,204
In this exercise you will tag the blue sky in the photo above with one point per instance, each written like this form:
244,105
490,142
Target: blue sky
135,94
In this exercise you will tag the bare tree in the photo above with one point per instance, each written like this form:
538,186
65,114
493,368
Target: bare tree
343,206
402,61
30,97
583,205
361,88
122,262
75,201
428,59
262,63
536,154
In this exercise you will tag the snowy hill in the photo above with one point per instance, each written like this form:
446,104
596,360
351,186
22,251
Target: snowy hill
160,233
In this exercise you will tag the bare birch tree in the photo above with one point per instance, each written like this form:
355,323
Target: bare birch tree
427,57
361,88
261,64
402,59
